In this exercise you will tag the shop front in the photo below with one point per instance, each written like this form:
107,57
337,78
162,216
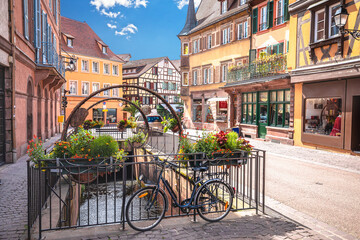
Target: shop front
210,110
263,109
330,112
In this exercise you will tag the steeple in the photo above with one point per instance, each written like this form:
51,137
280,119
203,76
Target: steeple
191,21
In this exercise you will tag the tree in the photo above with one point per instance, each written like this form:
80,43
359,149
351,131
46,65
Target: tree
131,108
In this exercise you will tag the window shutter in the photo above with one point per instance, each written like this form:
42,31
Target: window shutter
190,47
231,32
151,100
286,10
205,43
281,48
151,85
200,45
270,14
255,21
26,18
218,38
213,40
248,26
287,46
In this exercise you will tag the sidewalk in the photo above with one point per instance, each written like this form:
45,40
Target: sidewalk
13,197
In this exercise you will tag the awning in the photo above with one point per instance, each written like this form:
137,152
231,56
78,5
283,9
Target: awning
219,99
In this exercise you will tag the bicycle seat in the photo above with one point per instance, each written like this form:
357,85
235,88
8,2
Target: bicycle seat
200,169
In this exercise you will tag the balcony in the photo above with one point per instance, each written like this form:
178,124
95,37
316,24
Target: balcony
47,56
264,67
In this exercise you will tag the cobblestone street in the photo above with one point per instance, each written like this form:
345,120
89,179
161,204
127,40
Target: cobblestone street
13,197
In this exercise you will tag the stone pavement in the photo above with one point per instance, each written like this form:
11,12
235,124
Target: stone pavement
13,197
234,226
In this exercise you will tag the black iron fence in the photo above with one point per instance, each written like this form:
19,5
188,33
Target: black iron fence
73,193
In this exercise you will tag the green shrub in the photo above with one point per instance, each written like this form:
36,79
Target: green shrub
231,142
104,146
81,143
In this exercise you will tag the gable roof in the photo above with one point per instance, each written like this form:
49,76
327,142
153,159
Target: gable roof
141,66
86,41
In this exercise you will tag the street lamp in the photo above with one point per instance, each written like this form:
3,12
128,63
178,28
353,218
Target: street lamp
340,17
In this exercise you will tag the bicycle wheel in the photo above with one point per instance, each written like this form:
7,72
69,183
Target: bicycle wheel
214,200
145,209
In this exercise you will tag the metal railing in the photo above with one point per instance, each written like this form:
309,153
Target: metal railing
273,65
48,56
107,185
279,20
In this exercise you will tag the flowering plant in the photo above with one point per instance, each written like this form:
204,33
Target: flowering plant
88,124
81,143
35,150
62,150
169,124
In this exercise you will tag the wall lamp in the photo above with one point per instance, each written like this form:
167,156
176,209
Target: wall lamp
341,17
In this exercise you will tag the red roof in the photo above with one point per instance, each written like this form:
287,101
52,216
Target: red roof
86,41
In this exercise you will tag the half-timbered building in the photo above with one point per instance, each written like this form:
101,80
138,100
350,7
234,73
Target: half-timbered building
326,76
158,74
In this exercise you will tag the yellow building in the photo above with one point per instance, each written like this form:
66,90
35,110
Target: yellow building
214,38
96,67
325,74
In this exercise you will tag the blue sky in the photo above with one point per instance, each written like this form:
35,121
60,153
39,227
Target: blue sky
143,28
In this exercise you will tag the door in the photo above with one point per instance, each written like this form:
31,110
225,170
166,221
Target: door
2,116
263,113
355,132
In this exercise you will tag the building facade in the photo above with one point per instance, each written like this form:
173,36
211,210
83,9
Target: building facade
36,73
260,92
214,39
158,74
96,67
325,75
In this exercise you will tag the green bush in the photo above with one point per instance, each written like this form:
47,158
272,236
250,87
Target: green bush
81,143
232,143
104,146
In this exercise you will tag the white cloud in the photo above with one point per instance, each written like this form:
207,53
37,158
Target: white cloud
130,28
110,14
182,3
111,26
112,3
139,3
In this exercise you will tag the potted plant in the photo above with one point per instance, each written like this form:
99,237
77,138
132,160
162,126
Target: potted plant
170,124
137,140
122,125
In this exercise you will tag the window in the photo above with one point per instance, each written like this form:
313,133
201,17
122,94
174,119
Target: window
209,41
26,19
279,12
333,29
115,70
196,46
73,87
195,76
226,35
323,116
165,86
85,65
279,108
185,79
197,111
95,67
242,30
106,68
155,70
249,101
224,71
185,49
242,2
148,85
319,25
170,72
205,76
106,93
263,18
70,42
95,87
223,6
85,88
209,76
104,50
115,91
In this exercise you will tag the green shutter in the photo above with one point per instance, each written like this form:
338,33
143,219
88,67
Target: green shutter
255,21
270,14
287,46
286,10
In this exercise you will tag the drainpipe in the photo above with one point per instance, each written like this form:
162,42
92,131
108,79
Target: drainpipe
13,106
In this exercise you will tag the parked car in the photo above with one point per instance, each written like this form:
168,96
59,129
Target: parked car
154,121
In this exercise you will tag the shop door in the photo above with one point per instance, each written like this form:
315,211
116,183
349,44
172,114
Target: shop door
355,133
2,116
263,120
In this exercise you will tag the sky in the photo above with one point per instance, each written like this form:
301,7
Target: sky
143,28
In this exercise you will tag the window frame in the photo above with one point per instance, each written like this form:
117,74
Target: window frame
105,85
82,65
245,106
263,25
104,49
108,64
115,90
117,70
98,67
316,13
330,19
184,52
224,72
277,23
183,79
224,7
278,103
195,73
92,86
209,41
76,87
82,84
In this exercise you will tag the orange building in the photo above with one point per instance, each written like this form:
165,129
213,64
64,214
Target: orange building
326,75
96,67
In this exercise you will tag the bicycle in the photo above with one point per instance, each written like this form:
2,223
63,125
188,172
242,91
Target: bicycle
212,199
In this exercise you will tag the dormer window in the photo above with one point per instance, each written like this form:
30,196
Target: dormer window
223,6
70,42
104,50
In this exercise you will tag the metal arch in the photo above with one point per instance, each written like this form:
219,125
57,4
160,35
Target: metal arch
67,123
127,101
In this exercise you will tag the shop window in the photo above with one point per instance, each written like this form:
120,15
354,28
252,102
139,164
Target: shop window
197,111
280,108
208,114
323,116
111,116
249,108
98,114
